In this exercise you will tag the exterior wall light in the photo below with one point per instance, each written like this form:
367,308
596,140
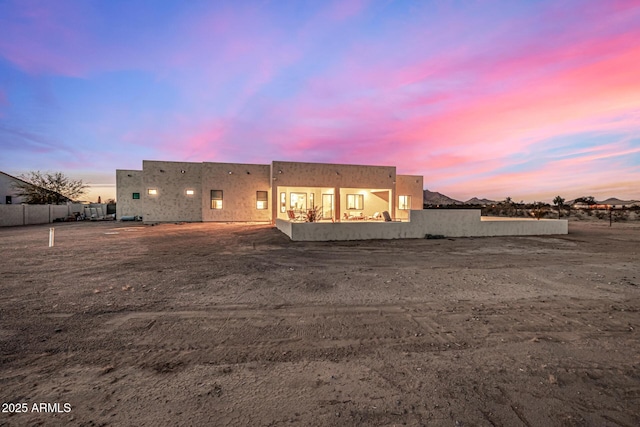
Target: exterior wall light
182,171
280,171
230,173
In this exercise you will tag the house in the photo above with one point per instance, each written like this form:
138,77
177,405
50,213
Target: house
8,193
192,192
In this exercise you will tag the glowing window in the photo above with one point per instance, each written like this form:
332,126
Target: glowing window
404,202
261,199
152,191
216,199
283,202
136,196
298,201
190,192
355,201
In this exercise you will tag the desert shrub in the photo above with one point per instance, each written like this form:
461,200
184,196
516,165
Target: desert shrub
589,212
579,215
600,214
620,215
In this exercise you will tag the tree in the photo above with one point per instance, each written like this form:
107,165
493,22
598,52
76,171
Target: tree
49,188
559,201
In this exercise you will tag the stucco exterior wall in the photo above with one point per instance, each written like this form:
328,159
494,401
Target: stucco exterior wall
450,223
127,183
171,180
6,189
409,185
239,184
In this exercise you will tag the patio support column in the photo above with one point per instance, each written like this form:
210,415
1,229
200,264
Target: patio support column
275,202
336,204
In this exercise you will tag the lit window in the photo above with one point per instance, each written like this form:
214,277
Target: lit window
283,202
261,199
355,201
152,191
405,203
216,199
298,201
190,192
136,196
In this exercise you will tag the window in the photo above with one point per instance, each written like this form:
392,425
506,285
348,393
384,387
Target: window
405,203
261,199
136,196
8,200
298,201
216,199
190,192
355,201
283,202
152,191
311,201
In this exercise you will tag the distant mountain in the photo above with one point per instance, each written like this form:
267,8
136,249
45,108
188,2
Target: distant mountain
617,202
476,201
610,201
435,198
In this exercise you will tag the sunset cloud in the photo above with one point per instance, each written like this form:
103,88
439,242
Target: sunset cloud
528,99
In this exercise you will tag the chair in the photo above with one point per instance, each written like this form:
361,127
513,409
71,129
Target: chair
386,216
292,215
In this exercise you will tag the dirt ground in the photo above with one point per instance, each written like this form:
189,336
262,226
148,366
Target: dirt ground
226,324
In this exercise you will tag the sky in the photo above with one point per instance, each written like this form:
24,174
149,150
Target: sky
495,99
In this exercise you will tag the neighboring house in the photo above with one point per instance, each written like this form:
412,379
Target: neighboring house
186,191
8,194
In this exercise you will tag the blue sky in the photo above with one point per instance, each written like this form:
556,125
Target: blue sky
484,98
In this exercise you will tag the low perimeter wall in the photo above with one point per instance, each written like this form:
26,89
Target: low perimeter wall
12,215
449,223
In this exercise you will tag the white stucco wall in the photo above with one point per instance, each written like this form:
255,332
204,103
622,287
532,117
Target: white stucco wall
409,185
239,184
7,189
171,180
127,183
449,223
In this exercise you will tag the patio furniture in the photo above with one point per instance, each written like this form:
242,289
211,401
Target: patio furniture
377,216
386,215
292,216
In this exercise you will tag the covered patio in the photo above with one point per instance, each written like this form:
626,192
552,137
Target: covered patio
333,204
